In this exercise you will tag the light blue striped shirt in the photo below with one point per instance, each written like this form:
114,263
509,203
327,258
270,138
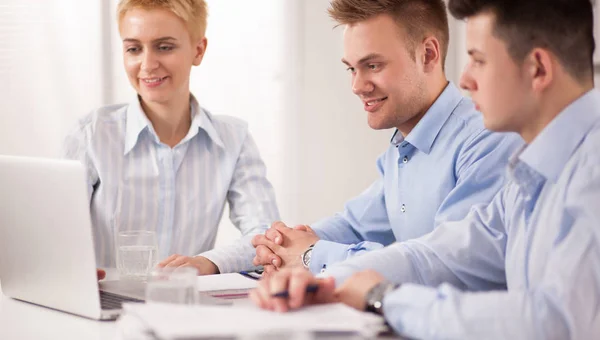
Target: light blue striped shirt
137,182
526,266
446,164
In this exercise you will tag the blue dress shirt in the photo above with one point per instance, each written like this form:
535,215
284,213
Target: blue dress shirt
446,164
137,182
526,266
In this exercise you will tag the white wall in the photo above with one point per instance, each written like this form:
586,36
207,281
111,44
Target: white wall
50,66
334,148
288,82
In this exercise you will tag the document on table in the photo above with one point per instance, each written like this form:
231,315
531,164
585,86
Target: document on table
228,281
172,322
227,286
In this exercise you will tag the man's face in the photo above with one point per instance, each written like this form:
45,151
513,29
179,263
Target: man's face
384,75
158,54
498,85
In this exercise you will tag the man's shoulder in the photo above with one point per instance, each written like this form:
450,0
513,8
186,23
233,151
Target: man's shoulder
466,128
587,154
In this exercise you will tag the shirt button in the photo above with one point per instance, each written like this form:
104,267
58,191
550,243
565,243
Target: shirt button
405,160
403,208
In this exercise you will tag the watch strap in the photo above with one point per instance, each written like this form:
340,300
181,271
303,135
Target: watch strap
375,296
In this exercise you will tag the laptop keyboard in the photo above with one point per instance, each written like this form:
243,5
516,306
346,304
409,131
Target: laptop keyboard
114,301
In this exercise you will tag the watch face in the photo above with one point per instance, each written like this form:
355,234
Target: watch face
306,257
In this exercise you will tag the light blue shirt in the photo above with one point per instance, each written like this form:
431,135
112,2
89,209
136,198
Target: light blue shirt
137,182
526,266
446,164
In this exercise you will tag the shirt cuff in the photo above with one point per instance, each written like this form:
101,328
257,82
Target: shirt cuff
408,307
214,258
229,261
325,253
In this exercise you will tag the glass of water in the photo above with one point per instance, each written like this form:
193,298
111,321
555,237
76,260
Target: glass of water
137,254
172,285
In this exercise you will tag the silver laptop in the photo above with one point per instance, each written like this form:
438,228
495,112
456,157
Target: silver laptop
46,243
46,246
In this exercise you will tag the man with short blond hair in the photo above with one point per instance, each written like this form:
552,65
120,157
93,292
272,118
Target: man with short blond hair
441,160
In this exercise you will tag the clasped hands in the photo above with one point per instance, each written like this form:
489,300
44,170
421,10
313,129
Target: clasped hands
282,247
279,251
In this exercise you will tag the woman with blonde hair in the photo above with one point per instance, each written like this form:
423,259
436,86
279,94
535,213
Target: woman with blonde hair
163,163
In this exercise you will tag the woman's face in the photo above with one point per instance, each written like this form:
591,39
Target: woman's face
158,54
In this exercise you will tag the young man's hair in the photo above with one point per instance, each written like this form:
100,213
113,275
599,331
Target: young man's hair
192,12
417,18
563,27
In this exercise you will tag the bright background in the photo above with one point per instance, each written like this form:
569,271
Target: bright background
273,63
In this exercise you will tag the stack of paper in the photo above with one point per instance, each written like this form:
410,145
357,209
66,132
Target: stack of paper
170,322
206,283
227,286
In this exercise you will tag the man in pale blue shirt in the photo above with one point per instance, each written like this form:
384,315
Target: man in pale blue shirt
441,159
527,265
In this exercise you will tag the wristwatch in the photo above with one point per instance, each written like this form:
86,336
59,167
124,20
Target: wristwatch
305,257
374,298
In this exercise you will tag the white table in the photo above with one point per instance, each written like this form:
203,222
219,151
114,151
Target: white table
24,321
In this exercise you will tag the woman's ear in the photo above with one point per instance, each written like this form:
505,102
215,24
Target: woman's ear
200,49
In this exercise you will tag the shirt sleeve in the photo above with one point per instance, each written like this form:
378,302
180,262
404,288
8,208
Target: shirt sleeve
452,284
344,235
480,173
468,254
252,206
564,304
75,147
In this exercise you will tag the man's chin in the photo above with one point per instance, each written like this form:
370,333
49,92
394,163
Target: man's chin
495,125
379,125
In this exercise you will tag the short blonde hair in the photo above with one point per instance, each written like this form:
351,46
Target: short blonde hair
193,12
417,17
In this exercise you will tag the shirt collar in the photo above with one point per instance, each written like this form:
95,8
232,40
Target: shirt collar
553,147
137,121
524,176
428,128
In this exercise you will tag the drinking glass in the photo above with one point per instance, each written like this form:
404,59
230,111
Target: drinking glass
137,254
172,285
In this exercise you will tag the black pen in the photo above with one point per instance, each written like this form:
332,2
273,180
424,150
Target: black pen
285,294
254,275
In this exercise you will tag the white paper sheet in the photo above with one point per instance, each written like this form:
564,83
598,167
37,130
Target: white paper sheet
229,281
176,321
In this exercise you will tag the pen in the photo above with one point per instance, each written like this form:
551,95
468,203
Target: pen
285,294
254,275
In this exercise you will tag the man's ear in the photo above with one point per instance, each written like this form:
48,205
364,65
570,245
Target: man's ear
540,68
431,54
200,49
